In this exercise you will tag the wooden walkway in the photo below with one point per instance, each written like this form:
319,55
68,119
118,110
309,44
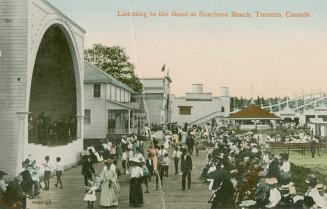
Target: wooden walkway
71,196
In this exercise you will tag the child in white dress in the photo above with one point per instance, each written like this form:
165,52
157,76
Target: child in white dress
90,196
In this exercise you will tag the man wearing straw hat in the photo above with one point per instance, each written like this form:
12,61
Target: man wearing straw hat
317,193
286,196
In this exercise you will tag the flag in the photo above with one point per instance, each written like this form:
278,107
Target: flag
163,68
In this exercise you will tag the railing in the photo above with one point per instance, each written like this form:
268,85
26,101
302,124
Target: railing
121,130
258,126
207,117
117,131
300,147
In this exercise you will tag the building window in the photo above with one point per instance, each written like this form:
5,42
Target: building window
87,116
185,110
111,121
96,90
222,109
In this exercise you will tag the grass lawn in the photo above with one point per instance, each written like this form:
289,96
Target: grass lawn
302,165
317,164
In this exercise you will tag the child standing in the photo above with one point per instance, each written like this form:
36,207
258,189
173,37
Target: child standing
166,162
89,196
59,171
47,172
124,161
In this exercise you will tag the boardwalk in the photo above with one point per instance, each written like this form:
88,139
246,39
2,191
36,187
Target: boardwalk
71,196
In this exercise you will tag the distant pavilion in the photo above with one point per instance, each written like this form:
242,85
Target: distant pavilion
253,117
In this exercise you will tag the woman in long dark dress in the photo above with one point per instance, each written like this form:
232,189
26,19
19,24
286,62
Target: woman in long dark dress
135,190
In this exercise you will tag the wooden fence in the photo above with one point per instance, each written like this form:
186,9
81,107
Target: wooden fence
298,147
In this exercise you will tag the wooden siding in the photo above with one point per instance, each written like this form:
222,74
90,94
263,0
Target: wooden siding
21,25
13,63
97,127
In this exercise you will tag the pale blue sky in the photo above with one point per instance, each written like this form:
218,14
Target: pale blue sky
279,56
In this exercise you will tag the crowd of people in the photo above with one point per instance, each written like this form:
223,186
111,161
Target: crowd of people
240,171
139,162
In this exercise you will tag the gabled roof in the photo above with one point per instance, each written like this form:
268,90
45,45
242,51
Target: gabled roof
252,112
93,74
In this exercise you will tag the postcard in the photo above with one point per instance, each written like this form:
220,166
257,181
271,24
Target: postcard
166,104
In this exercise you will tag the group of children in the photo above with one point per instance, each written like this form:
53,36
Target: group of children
29,182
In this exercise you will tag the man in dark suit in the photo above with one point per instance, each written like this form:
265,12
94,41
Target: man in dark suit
224,187
186,166
190,143
87,169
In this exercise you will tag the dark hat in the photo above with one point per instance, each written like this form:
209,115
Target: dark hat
284,187
2,173
311,179
108,161
136,160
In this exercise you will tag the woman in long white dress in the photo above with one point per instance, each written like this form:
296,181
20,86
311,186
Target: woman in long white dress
109,186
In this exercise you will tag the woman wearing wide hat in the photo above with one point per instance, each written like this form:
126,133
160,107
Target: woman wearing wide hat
109,186
135,191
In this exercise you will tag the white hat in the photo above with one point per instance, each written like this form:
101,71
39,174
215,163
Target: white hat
254,150
320,187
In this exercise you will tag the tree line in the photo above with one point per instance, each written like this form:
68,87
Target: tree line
114,61
241,102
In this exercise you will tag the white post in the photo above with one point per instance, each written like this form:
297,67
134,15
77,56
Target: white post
22,139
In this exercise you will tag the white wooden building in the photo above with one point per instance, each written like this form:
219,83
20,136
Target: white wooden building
41,56
199,107
158,99
110,108
317,120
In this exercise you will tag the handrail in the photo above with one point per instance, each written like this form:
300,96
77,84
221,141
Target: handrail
205,116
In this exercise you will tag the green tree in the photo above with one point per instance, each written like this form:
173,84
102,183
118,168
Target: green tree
258,101
114,61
